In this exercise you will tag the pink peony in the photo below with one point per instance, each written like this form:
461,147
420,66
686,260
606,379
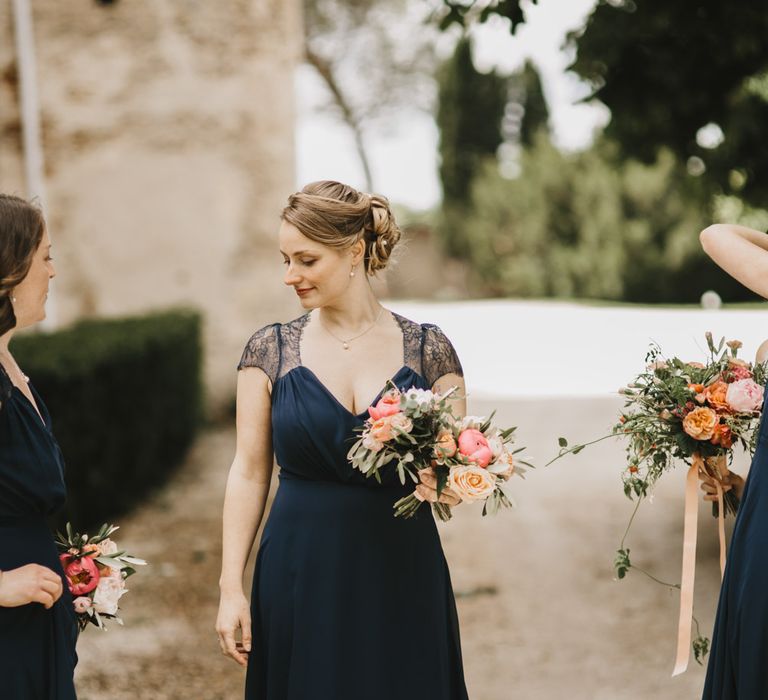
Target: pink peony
474,446
82,574
739,370
388,405
745,396
82,604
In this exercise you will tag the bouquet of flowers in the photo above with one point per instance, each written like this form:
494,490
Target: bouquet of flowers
416,429
96,570
692,412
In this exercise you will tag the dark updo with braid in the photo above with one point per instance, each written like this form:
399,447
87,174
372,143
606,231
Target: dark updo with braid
21,231
338,216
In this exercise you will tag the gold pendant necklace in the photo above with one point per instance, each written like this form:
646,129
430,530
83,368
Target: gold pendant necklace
345,343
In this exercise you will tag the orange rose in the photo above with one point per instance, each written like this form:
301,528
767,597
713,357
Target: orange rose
715,394
700,423
723,436
471,482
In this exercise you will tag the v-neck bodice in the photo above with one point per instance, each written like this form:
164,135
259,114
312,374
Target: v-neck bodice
31,463
312,430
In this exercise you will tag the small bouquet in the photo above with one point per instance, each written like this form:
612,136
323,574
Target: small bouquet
692,412
416,429
96,570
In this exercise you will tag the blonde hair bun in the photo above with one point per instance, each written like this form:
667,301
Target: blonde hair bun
338,216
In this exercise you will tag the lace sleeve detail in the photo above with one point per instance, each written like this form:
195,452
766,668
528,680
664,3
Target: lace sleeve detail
438,356
6,387
263,351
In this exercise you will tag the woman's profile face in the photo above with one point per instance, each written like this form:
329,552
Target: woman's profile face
318,273
31,293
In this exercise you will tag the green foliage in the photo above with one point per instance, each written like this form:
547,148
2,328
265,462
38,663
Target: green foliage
590,225
469,117
535,112
666,69
125,396
466,12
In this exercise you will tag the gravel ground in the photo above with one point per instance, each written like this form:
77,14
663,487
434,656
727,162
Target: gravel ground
542,617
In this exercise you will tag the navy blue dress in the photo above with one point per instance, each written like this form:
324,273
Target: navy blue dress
348,602
738,661
37,646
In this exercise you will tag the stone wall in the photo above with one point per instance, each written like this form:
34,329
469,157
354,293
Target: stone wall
168,129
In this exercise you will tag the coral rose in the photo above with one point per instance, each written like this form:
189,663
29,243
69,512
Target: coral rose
700,423
445,446
745,396
723,436
739,370
715,394
472,483
82,574
474,446
387,405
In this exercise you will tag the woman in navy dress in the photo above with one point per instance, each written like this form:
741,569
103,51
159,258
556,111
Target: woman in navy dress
738,667
38,629
348,602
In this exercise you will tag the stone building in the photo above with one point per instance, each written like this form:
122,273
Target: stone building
168,132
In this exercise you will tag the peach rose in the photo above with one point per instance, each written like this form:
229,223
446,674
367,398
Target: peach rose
715,394
700,423
471,482
723,436
504,466
388,405
370,443
445,446
474,446
745,396
381,429
401,422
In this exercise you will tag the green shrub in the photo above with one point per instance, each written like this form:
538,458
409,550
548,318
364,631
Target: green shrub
588,225
125,397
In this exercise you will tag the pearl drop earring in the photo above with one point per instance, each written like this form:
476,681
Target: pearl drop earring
352,273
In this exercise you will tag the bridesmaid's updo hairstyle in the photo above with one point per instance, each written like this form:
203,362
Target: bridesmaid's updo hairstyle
338,216
21,232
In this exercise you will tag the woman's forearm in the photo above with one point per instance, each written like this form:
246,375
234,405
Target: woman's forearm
244,503
741,252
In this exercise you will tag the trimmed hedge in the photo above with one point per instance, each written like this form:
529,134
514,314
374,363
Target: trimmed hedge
125,396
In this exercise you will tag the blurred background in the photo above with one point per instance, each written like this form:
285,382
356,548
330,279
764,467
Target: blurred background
551,162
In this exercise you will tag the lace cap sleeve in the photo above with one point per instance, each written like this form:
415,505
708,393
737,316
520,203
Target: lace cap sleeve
263,351
6,387
438,356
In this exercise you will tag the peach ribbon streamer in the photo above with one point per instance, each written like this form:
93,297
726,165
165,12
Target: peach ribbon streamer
690,532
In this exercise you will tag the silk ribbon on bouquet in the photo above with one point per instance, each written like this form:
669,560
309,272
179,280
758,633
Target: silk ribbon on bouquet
698,465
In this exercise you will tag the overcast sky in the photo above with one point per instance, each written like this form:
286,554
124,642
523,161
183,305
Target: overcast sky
404,160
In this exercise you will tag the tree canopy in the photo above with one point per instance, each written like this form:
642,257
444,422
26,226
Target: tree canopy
667,69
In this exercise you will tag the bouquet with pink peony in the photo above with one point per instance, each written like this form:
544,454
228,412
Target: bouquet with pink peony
691,412
416,429
96,570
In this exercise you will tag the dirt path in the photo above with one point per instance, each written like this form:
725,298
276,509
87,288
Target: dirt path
542,617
